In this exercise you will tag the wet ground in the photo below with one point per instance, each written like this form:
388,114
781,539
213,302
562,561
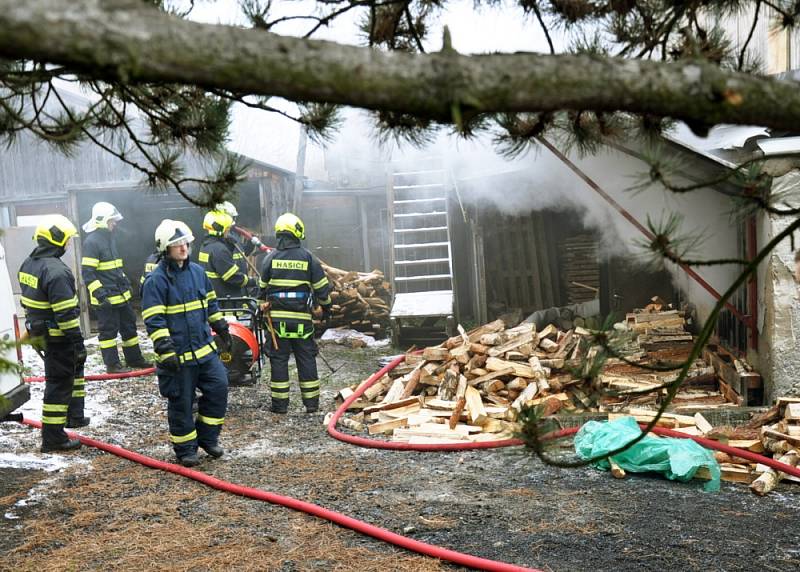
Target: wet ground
94,511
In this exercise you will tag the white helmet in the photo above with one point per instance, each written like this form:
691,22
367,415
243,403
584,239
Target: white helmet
228,208
172,232
102,214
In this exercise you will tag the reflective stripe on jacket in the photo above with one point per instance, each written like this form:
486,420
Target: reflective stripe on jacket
48,292
292,279
101,268
224,266
178,304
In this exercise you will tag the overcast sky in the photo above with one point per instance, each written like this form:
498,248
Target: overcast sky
274,139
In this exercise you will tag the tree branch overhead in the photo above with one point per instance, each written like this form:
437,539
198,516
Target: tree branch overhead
136,43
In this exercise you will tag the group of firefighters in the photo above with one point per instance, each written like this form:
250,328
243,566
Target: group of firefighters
180,308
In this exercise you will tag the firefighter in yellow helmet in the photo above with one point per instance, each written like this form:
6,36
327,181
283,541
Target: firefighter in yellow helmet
293,282
224,264
110,290
52,318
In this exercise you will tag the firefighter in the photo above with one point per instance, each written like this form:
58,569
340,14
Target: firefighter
178,304
247,246
110,290
52,320
150,264
223,262
292,283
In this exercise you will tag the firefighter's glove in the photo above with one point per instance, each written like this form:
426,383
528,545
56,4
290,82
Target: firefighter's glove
171,364
326,314
105,304
224,341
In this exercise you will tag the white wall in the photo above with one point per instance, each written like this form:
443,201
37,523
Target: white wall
779,315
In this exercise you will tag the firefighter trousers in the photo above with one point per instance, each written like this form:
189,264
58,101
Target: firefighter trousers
64,390
305,352
113,320
185,431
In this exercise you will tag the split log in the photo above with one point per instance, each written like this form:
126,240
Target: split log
477,413
520,370
770,478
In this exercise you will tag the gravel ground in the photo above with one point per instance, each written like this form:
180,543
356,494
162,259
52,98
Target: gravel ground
92,511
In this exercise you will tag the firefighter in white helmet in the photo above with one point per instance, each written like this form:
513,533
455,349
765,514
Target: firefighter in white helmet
178,305
110,290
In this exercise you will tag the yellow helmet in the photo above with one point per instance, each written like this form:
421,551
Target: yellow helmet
172,232
55,229
217,222
292,224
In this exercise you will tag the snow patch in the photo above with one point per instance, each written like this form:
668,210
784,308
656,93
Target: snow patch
47,463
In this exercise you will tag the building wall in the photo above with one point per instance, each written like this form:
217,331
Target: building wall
779,319
705,213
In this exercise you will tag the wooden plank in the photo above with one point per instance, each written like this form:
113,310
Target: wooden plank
401,411
728,473
477,413
395,391
792,411
435,354
519,369
394,405
512,344
387,426
492,375
702,423
375,390
754,445
412,383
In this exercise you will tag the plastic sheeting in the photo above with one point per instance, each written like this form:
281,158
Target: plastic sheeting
677,459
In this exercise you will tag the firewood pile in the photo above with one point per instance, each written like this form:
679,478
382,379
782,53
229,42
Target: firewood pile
775,433
473,386
361,301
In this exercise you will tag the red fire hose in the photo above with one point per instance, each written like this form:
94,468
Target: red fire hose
101,376
308,508
249,236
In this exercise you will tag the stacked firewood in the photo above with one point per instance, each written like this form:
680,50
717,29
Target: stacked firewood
477,383
361,301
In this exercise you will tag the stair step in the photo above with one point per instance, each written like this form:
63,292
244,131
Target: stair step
410,173
418,278
422,245
425,229
426,261
439,213
423,186
410,201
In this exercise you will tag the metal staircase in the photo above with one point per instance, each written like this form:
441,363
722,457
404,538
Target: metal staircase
422,270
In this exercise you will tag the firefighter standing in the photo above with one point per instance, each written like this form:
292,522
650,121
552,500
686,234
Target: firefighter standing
110,290
52,315
292,282
178,304
223,263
